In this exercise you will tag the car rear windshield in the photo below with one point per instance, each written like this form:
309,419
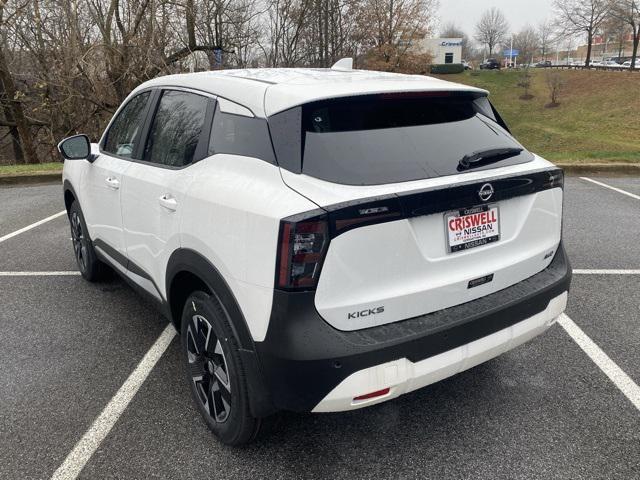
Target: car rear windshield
388,138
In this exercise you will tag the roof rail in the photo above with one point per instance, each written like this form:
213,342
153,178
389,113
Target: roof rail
344,64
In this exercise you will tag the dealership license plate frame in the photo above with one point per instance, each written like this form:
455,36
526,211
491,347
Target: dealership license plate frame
460,212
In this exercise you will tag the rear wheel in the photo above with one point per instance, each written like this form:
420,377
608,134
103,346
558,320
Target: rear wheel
90,267
215,371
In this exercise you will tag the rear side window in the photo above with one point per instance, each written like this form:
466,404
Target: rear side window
125,128
176,128
240,135
388,138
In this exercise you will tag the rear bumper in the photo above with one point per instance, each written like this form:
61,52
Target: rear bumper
402,376
307,365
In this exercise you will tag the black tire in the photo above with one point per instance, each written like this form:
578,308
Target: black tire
210,353
91,268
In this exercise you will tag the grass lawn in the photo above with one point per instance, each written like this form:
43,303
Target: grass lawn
598,119
27,169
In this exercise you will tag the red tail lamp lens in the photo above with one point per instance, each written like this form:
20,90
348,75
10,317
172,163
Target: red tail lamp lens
301,252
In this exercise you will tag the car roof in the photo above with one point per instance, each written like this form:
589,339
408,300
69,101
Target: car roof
266,91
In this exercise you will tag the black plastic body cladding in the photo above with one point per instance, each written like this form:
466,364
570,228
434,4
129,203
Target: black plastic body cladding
303,358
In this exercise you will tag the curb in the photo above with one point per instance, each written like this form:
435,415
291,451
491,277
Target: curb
591,168
29,178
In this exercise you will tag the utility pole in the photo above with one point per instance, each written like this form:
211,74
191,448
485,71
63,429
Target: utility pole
511,52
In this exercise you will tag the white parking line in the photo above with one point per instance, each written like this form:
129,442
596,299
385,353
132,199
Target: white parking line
33,225
38,274
619,190
578,271
91,440
620,379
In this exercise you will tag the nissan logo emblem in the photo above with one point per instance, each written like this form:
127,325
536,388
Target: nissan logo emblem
485,192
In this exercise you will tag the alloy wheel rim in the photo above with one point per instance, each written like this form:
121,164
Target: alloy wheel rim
209,369
79,241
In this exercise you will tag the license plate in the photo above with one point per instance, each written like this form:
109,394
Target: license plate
472,227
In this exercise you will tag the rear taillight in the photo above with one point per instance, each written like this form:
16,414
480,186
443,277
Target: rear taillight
301,250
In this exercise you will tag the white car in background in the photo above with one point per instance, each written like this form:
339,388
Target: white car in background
323,239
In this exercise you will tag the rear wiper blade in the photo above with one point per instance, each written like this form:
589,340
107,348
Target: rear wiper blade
483,157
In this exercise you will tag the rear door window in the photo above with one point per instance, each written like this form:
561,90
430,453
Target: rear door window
176,129
389,138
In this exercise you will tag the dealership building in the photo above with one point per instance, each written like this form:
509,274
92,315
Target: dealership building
443,50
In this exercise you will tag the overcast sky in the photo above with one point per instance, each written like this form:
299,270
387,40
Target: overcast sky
466,13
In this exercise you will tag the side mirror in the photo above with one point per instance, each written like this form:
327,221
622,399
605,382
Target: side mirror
77,147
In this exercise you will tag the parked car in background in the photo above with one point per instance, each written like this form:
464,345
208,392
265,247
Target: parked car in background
543,64
466,65
490,64
611,63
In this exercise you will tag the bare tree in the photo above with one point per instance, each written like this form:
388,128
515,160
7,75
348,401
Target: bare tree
524,82
12,99
615,32
389,29
546,35
580,17
491,29
629,12
556,84
527,42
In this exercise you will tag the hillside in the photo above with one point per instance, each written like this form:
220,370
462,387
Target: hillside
598,118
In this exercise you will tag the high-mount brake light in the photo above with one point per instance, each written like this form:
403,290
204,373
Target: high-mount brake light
303,245
415,95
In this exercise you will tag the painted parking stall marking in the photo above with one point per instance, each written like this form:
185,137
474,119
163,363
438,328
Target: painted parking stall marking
620,379
33,225
615,189
91,440
579,271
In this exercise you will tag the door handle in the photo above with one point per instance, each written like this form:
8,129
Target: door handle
112,183
167,201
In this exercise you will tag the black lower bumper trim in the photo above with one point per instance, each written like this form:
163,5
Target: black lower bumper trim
303,358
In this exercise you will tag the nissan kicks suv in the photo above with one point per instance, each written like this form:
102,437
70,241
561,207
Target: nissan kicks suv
323,239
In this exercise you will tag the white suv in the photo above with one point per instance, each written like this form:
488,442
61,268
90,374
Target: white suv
324,239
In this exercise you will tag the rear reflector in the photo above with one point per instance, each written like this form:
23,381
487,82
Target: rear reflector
367,396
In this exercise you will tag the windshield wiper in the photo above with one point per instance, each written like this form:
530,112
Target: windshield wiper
484,157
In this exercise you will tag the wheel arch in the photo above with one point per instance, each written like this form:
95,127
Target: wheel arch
69,195
187,271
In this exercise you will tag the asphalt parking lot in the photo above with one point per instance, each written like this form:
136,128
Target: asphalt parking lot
559,406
